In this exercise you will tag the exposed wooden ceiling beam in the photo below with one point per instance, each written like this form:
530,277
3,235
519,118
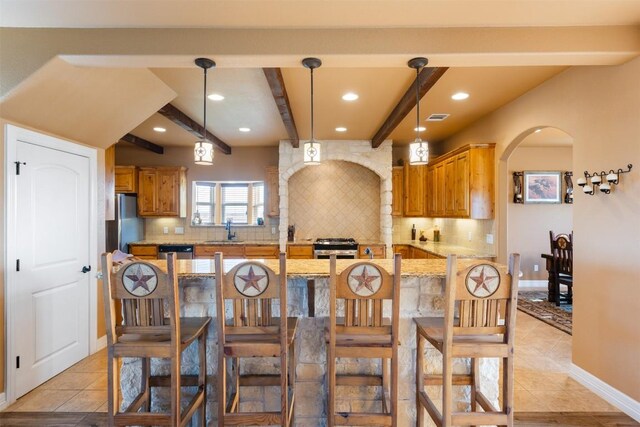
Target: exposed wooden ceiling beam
428,77
279,91
187,123
142,143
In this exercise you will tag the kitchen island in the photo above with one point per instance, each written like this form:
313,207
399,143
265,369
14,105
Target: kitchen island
421,294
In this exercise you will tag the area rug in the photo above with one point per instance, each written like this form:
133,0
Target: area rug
535,304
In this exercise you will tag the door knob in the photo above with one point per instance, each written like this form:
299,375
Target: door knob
86,269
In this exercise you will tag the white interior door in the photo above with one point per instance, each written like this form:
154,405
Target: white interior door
50,302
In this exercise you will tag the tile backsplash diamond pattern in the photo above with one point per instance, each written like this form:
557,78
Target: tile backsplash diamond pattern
335,199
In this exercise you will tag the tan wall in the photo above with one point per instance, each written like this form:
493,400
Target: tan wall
244,164
101,244
335,199
599,107
528,225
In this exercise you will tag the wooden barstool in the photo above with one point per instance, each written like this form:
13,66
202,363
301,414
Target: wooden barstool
151,327
363,332
471,328
253,331
562,252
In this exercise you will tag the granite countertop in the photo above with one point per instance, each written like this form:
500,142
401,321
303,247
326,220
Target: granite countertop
198,268
208,242
444,249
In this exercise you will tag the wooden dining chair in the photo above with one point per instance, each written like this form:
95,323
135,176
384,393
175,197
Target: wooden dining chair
562,252
254,292
475,297
363,332
151,328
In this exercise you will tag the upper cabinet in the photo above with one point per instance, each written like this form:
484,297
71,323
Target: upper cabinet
126,179
397,190
162,191
461,183
414,190
272,184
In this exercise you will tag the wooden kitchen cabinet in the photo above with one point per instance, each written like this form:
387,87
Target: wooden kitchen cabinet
461,183
126,179
397,190
162,191
414,190
262,251
379,251
415,253
403,250
300,251
272,185
144,251
209,251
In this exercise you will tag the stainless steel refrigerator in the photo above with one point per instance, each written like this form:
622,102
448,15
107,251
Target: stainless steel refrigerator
127,227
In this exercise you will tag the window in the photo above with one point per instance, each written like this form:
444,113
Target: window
215,202
204,200
235,203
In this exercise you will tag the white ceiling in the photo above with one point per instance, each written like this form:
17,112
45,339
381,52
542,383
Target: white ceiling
316,13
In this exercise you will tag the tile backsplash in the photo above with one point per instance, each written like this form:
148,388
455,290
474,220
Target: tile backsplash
154,231
468,233
335,199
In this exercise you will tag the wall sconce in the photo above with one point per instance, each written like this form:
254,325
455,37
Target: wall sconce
568,195
517,187
602,181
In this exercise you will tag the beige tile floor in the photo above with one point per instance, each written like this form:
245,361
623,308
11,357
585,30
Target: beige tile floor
542,383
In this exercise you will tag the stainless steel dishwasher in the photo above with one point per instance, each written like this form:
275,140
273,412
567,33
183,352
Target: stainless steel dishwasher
182,251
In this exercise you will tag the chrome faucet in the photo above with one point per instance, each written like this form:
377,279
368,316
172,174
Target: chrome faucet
369,252
230,236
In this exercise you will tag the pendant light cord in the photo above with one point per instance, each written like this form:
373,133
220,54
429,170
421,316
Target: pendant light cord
417,102
204,133
312,139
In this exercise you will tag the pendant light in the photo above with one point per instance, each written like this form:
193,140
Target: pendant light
418,149
312,147
203,151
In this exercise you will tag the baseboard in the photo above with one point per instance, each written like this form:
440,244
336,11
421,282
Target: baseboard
615,397
3,401
533,284
101,343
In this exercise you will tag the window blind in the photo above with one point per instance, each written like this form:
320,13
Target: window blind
204,197
235,203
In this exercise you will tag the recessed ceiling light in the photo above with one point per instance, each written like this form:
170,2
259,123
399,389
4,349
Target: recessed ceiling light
459,96
341,129
216,97
350,96
159,129
538,130
244,129
419,129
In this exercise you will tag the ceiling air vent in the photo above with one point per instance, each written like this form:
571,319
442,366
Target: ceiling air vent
437,117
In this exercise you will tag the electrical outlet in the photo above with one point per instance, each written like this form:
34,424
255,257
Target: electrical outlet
178,230
273,230
469,236
165,230
490,239
536,267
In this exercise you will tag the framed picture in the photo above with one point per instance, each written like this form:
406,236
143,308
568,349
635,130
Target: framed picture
542,187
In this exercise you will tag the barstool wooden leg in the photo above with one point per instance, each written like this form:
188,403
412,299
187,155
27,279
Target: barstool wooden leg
331,371
292,377
222,389
175,390
144,388
447,382
419,378
386,387
475,382
236,380
202,376
113,393
394,388
507,389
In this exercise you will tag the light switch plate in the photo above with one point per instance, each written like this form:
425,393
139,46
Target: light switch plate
490,239
165,230
273,230
179,230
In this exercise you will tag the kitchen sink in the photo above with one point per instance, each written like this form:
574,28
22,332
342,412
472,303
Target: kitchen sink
220,242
